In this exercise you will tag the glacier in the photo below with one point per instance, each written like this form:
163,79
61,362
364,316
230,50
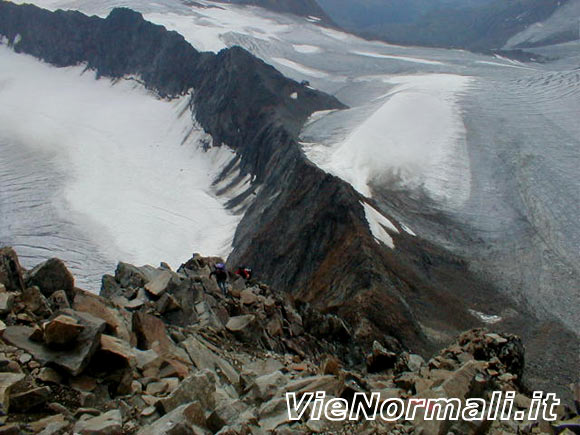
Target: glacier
96,171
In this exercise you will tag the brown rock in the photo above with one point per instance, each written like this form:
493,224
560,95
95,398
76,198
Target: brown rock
196,387
83,383
62,332
49,376
116,350
109,423
150,330
248,297
239,323
23,402
380,359
7,382
59,300
50,276
330,366
10,270
97,306
35,302
157,286
6,302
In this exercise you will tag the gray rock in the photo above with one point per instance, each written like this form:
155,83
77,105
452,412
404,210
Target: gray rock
265,387
35,302
50,276
109,423
7,382
187,419
198,386
6,302
128,275
10,270
74,360
203,358
59,300
239,323
157,286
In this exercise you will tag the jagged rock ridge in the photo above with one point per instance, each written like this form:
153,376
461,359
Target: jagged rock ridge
164,352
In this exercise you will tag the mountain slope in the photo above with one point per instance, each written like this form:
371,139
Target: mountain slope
304,8
484,25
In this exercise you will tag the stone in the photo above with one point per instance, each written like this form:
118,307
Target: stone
24,402
273,414
109,423
198,386
75,360
150,410
7,382
2,327
227,414
10,270
330,366
239,323
203,358
10,429
157,286
248,297
98,307
187,419
331,385
49,425
50,276
117,350
150,330
459,384
49,376
265,387
380,359
167,303
83,383
128,275
62,332
35,302
156,388
6,303
145,357
173,368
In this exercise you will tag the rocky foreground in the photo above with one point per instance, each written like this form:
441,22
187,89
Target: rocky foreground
164,352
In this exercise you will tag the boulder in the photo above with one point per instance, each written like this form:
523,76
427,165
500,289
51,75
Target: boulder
187,419
199,386
62,332
265,387
167,303
53,425
460,384
109,423
6,303
117,351
380,359
204,358
97,306
50,276
10,270
7,382
30,399
248,297
75,360
240,323
158,285
35,302
129,276
273,414
59,300
149,330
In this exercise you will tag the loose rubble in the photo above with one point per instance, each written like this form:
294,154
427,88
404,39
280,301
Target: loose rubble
164,352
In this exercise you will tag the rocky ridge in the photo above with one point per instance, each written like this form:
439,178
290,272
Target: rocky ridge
164,352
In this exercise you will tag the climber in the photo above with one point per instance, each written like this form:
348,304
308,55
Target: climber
245,272
221,276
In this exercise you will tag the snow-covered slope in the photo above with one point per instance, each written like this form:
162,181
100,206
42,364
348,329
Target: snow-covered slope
105,170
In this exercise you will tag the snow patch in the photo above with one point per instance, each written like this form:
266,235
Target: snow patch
414,139
396,57
306,49
490,319
408,230
294,95
311,72
379,225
